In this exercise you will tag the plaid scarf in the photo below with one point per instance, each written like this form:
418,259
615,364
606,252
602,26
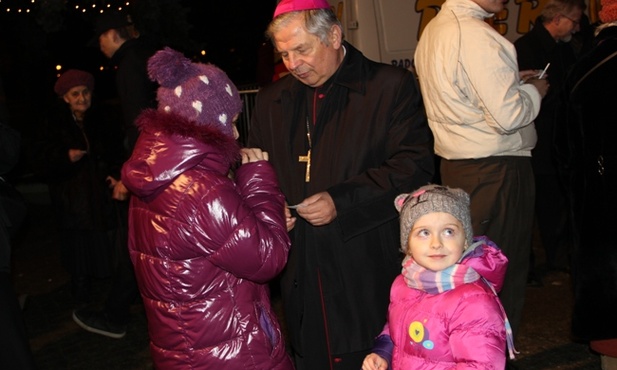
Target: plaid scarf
435,282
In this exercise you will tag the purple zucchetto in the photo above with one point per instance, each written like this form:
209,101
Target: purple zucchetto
287,6
201,93
72,78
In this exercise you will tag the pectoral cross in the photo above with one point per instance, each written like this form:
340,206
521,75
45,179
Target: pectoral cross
306,158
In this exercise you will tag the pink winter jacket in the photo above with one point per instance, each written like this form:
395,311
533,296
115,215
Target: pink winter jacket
204,247
461,328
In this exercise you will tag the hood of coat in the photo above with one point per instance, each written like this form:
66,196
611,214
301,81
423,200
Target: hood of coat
168,145
487,260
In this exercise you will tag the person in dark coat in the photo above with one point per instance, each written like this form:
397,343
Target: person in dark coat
15,352
77,153
549,42
204,245
135,91
593,164
346,135
119,40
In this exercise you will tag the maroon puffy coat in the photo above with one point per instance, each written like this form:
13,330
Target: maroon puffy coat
204,246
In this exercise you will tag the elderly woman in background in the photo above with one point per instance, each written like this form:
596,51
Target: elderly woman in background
79,154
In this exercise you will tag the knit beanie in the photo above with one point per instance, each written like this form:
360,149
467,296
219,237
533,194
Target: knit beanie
608,13
72,78
200,93
429,199
287,6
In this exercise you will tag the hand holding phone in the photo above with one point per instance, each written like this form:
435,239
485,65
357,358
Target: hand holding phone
541,75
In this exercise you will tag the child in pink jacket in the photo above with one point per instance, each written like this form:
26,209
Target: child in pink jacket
444,311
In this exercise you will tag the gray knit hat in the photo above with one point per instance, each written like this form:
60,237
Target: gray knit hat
433,198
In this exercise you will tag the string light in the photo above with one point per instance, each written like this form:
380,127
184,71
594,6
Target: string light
82,6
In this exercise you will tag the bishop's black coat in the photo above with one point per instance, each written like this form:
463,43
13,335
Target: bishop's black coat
370,143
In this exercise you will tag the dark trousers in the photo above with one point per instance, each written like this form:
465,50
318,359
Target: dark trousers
552,218
14,343
346,361
124,291
502,193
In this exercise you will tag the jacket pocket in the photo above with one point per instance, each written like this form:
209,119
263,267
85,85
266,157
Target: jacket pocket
269,326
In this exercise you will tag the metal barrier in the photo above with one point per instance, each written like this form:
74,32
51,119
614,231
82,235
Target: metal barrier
248,102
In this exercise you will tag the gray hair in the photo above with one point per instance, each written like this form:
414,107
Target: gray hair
555,7
317,22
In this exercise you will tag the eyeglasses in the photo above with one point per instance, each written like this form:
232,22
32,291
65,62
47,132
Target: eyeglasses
576,23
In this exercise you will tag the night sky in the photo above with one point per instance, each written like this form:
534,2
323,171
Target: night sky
237,25
32,44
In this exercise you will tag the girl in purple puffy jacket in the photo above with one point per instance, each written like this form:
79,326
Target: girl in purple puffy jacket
444,311
204,245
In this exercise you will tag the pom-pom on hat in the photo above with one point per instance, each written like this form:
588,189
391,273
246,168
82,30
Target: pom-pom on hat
286,6
608,13
200,93
72,78
429,199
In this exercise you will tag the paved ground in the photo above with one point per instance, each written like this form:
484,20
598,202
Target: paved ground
58,343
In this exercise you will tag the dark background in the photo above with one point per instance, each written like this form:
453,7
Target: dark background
54,32
35,37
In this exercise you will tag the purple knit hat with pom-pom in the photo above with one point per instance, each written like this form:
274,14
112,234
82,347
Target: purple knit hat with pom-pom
201,93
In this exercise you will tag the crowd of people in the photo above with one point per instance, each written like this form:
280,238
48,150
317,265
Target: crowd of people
335,197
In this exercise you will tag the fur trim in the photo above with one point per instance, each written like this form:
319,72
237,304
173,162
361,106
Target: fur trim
174,124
